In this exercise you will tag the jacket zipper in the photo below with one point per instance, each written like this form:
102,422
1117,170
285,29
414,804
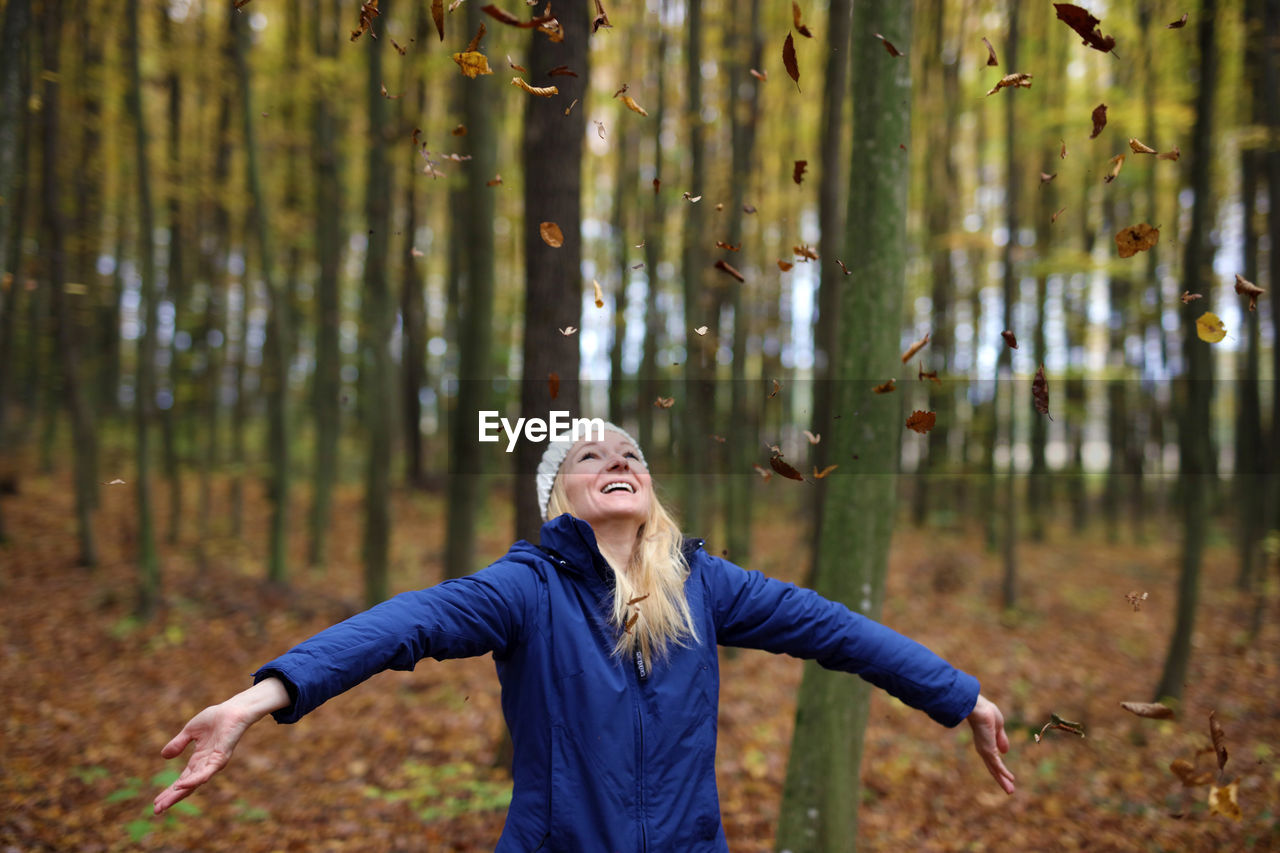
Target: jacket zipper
640,772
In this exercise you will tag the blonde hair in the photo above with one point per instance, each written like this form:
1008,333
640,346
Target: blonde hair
650,609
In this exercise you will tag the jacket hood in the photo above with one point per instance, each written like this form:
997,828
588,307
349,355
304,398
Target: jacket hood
571,540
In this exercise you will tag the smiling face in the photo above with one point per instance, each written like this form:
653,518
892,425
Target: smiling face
605,481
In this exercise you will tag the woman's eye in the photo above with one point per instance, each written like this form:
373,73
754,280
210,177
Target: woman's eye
587,455
632,455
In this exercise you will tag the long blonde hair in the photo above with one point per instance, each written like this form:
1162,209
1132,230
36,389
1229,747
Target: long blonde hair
650,609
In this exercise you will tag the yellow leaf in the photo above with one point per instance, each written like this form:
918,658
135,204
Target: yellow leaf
1209,328
599,293
544,91
1224,801
633,106
473,63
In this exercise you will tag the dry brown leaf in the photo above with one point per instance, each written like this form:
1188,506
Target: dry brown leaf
780,465
1187,775
922,374
777,386
388,96
1135,600
785,266
568,330
915,348
1170,155
691,198
1116,162
569,108
551,234
1178,24
437,15
701,330
368,11
541,91
1150,710
460,130
1045,177
664,402
562,71
819,475
1059,212
1249,289
789,60
117,481
805,252
764,475
1219,739
1099,120
728,268
1040,392
991,52
1136,238
797,173
1085,25
888,45
494,181
720,244
886,387
601,19
599,294
1009,338
813,439
795,18
921,422
633,106
762,76
1188,297
1011,81
1062,152
1140,147
1224,801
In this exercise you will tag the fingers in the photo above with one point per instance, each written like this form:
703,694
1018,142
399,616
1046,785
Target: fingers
174,748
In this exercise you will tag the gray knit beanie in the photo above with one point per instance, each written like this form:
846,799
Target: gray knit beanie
553,458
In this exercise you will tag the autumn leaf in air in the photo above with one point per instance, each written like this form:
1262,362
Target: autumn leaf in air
844,269
562,71
789,60
472,62
496,180
1219,739
601,19
797,173
1009,338
599,294
1011,81
886,388
795,18
437,15
784,468
1170,155
460,130
728,268
1054,218
915,348
1040,392
1136,238
1056,722
1209,328
1224,801
551,234
777,386
633,106
764,475
1045,177
720,244
991,52
701,330
819,475
785,266
1249,289
921,422
1085,25
1150,710
664,402
541,91
813,438
1135,599
1140,147
888,45
117,481
1099,120
922,374
1178,24
1187,775
568,330
368,11
762,76
805,252
1116,162
1188,297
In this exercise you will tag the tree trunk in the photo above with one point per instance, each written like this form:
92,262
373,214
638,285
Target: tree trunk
13,185
176,285
1194,469
653,243
1005,397
412,305
144,388
822,789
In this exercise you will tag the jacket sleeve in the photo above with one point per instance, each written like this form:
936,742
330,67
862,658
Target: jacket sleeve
484,612
755,611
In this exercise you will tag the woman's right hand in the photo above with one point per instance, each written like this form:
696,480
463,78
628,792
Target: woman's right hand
215,731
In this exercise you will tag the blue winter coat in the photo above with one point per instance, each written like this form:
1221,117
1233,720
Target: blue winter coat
609,756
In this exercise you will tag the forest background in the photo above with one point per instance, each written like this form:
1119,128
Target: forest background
265,261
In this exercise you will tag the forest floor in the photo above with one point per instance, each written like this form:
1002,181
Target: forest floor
406,762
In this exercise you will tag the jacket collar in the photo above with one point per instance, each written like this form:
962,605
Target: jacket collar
572,543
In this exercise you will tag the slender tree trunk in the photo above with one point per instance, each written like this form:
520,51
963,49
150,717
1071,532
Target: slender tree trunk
148,560
653,245
412,305
552,159
176,285
1005,397
819,810
276,346
1194,469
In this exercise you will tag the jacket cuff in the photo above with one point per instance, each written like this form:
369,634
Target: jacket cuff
959,702
289,713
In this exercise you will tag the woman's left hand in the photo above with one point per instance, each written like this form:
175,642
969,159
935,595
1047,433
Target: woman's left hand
990,740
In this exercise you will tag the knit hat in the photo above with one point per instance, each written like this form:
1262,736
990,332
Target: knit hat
553,458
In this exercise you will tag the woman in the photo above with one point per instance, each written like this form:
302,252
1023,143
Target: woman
604,638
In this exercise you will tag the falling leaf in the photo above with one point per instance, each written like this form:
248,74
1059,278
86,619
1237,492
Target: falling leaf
780,465
843,268
633,106
390,97
551,234
599,293
1099,117
764,475
1186,773
460,130
1219,740
1135,600
805,252
553,384
789,60
455,4
1178,24
1056,722
701,330
720,244
718,438
795,18
785,266
1085,25
1054,218
562,71
472,62
1062,152
632,621
1040,393
762,76
516,67
1224,801
692,199
541,91
1011,81
599,128
797,173
728,268
538,22
437,15
415,252
1249,289
664,402
1136,238
915,348
1188,297
1209,328
991,52
400,49
922,374
569,108
921,422
117,481
748,208
1009,339
1139,147
240,3
888,45
494,181
1116,162
818,475
1045,177
568,330
885,388
1170,155
777,386
813,439
368,11
601,19
1150,710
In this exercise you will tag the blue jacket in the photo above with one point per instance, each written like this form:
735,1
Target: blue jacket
609,756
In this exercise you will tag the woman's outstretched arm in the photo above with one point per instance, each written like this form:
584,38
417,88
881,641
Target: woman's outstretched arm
215,731
990,740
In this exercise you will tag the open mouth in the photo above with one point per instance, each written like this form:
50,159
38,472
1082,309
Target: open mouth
618,486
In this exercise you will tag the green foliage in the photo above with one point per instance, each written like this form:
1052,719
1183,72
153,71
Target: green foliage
446,791
139,828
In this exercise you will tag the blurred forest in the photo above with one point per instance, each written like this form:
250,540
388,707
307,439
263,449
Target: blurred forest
265,261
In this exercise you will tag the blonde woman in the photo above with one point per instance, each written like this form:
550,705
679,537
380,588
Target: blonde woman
604,638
